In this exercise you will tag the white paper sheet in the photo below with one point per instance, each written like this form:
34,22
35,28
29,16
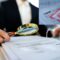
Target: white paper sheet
33,48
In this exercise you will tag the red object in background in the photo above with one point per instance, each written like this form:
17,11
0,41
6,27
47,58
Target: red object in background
55,15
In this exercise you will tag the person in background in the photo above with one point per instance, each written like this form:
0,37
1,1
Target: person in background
14,13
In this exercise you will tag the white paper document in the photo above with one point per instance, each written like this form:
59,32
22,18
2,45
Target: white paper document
32,48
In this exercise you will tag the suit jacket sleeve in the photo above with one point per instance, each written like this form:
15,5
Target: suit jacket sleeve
43,30
1,18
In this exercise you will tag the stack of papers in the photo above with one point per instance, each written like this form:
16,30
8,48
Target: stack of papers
31,48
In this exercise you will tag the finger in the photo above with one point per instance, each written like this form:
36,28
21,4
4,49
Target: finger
56,32
4,35
11,33
1,39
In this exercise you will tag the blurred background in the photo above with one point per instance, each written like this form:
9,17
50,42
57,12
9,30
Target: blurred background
46,9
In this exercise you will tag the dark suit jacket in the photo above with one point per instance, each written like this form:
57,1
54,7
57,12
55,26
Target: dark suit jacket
10,17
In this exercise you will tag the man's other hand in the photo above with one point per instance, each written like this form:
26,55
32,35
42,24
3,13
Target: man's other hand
56,31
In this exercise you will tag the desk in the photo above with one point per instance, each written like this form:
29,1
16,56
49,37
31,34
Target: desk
32,48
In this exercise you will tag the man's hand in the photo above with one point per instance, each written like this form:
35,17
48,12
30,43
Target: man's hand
56,31
4,36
